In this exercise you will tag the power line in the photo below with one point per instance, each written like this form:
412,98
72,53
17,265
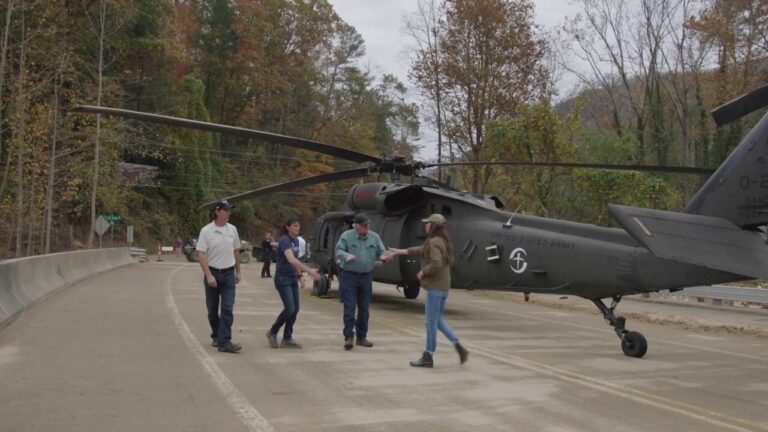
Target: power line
228,190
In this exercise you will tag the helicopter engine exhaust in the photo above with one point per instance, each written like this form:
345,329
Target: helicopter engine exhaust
386,198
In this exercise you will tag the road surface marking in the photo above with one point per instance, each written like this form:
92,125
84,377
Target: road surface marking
250,416
688,410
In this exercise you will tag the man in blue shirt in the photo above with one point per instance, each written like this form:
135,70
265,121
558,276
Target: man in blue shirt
357,251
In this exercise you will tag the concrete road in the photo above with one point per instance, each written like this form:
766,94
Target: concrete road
129,350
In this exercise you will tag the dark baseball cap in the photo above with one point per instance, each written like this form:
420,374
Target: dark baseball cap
361,219
223,205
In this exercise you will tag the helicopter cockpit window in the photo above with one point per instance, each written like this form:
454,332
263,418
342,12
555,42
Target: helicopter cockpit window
403,199
445,211
324,234
493,253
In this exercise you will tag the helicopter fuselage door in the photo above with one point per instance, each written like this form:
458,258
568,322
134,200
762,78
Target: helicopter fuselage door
327,233
390,233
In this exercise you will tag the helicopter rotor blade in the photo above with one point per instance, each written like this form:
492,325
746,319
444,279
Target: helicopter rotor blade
436,182
306,181
648,168
305,144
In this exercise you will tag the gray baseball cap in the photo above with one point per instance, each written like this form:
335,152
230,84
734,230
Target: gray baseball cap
435,218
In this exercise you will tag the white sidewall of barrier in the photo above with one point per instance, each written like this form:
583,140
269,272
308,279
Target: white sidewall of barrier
26,280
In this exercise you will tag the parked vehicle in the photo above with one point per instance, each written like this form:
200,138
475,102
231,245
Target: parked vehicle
246,249
190,251
190,246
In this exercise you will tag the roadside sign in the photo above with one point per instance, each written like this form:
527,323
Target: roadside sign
129,235
101,225
113,218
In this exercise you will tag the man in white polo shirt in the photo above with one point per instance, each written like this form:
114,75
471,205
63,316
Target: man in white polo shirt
218,251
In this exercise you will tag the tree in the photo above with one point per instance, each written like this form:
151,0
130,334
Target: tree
197,172
737,29
426,30
3,62
52,166
98,26
620,42
149,56
491,67
398,119
21,136
280,65
684,60
537,134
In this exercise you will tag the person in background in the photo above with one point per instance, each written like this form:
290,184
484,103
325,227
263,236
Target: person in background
302,256
160,251
218,252
356,253
287,271
266,254
302,249
435,276
179,245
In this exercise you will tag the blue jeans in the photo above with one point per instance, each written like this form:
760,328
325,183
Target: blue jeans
433,311
355,291
223,294
288,287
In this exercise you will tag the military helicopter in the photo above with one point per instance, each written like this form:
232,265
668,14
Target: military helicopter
715,239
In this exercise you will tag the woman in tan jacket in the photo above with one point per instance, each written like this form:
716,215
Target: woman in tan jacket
435,276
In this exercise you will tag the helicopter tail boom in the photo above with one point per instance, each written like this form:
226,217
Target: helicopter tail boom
700,240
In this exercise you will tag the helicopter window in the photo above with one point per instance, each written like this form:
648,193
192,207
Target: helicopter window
468,250
493,253
404,198
446,211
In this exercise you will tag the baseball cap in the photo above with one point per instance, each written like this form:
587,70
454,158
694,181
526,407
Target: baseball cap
361,219
222,205
435,218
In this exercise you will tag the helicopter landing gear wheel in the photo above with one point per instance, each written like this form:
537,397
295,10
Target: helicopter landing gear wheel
411,291
633,344
320,287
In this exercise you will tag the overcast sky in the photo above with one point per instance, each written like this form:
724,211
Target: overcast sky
381,23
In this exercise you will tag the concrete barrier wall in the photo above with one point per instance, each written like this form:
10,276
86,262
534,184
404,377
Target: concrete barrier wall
26,280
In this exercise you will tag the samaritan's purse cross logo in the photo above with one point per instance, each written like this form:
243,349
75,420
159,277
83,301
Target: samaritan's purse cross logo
517,260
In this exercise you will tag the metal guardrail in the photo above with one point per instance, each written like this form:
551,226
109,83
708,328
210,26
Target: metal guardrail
724,292
139,253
